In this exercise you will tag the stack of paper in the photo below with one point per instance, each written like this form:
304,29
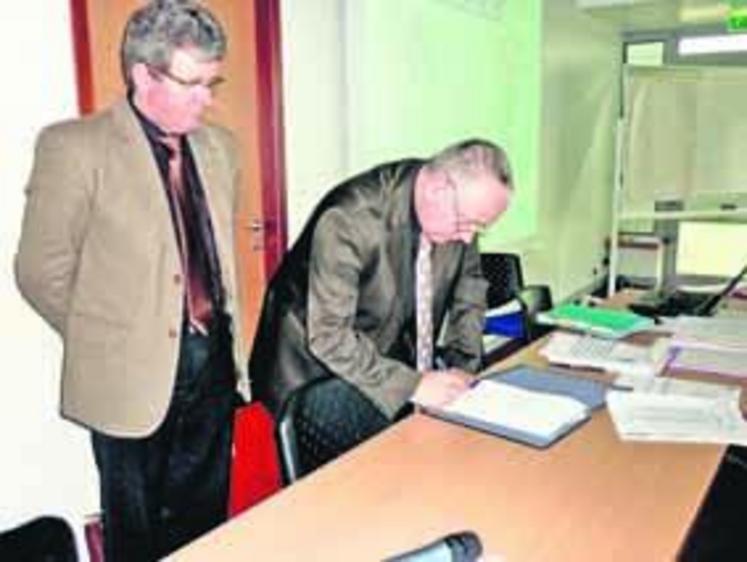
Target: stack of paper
491,342
722,362
608,355
604,322
679,411
708,332
716,345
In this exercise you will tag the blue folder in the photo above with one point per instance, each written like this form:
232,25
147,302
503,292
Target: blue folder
510,324
587,391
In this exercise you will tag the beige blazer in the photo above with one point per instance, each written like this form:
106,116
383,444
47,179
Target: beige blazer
98,259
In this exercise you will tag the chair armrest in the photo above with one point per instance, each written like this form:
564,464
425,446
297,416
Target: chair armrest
534,299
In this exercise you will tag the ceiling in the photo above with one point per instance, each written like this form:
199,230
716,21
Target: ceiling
642,15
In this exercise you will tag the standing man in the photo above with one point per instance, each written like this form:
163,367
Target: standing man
386,260
126,250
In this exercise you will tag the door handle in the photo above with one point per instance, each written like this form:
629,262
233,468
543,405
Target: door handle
260,228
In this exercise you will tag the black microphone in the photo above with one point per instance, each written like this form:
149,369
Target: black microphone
455,547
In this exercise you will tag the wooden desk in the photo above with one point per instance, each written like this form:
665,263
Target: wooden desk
589,497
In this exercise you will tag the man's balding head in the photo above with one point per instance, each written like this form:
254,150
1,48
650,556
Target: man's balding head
462,189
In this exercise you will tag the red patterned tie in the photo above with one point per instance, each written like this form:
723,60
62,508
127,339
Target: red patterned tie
199,306
424,300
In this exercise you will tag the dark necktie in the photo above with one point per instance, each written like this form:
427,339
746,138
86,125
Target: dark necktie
423,305
199,306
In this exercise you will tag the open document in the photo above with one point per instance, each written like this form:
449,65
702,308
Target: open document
513,412
526,404
665,409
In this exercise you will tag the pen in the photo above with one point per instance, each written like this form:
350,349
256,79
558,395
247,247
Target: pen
622,388
440,364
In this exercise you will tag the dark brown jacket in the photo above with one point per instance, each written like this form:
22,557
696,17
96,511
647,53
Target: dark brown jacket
342,301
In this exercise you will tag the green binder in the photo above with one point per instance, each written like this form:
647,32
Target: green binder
605,322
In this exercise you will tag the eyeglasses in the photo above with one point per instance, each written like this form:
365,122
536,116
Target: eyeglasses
192,84
463,223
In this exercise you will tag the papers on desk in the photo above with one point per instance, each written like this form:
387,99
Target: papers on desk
612,356
512,405
724,362
491,342
714,345
668,386
717,333
665,409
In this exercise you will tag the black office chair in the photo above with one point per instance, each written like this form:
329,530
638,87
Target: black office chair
44,539
504,276
505,284
321,420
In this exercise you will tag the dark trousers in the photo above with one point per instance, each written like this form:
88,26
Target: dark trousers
162,491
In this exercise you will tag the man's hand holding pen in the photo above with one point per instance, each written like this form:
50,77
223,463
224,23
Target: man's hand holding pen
438,388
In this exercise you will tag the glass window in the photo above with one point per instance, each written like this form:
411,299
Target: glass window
645,54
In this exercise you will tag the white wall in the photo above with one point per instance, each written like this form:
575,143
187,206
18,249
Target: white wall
575,104
314,103
389,79
47,466
580,69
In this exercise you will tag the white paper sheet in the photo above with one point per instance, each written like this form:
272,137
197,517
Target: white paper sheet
725,362
564,348
642,416
708,332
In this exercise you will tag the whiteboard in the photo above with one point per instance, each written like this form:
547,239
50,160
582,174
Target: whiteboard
685,135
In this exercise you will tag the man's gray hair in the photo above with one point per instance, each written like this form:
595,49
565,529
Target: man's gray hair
468,157
156,30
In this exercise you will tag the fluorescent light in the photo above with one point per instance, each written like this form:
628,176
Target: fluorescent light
712,44
704,14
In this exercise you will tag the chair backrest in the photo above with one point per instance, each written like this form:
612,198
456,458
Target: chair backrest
48,539
320,421
504,276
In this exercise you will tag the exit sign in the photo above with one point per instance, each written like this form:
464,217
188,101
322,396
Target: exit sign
737,18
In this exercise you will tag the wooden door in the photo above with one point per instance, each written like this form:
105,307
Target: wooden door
248,104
